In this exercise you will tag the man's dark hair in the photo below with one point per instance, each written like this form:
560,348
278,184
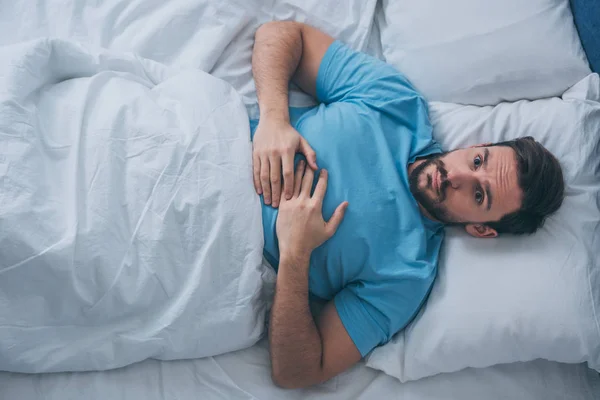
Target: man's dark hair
540,178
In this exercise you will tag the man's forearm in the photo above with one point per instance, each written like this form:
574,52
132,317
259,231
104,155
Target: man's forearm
295,343
276,55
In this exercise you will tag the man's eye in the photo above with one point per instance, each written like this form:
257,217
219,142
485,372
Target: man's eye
478,197
477,162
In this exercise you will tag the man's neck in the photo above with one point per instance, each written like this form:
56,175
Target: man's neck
425,213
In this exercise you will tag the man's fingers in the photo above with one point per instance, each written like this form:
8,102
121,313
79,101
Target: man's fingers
275,164
309,153
321,187
256,173
336,219
287,161
265,179
307,181
298,178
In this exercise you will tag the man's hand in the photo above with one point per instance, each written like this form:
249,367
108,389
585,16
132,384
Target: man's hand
275,145
283,51
300,225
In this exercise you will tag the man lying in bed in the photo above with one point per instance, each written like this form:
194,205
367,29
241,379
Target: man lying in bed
372,133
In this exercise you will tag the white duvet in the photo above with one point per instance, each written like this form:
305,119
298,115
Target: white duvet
129,227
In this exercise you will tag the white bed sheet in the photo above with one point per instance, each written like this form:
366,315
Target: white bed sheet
246,375
216,37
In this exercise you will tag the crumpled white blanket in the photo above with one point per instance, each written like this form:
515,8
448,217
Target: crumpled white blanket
129,226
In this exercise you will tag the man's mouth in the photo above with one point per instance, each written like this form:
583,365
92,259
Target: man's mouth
436,182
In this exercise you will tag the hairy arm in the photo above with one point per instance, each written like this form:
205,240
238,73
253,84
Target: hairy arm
305,353
285,51
293,334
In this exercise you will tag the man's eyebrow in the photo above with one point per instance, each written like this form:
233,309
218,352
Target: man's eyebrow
488,194
486,155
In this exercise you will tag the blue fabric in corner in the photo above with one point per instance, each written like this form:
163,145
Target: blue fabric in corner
587,19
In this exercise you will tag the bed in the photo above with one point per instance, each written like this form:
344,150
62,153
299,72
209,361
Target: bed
246,375
507,347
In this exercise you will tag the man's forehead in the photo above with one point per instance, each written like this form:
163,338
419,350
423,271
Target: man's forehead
502,157
506,191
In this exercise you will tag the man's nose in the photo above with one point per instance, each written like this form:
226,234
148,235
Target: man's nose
459,178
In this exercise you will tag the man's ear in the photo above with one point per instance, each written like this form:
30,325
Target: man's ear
481,231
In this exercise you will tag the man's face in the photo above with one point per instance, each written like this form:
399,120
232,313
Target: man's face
468,186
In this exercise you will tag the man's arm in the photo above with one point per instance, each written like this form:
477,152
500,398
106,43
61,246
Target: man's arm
304,353
285,51
282,51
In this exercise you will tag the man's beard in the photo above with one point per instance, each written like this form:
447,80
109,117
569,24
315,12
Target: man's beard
433,206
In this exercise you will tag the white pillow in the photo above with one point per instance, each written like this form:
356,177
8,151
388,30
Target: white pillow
483,52
516,298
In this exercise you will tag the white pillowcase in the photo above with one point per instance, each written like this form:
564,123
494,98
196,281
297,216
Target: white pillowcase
516,298
483,52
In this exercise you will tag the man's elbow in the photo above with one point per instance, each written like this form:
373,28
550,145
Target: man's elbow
290,381
285,381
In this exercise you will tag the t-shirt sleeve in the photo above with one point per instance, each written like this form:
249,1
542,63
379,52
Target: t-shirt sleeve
373,312
361,320
346,75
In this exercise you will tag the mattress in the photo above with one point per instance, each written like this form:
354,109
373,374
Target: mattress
246,375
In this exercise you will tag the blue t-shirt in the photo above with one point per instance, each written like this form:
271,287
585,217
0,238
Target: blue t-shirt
381,263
